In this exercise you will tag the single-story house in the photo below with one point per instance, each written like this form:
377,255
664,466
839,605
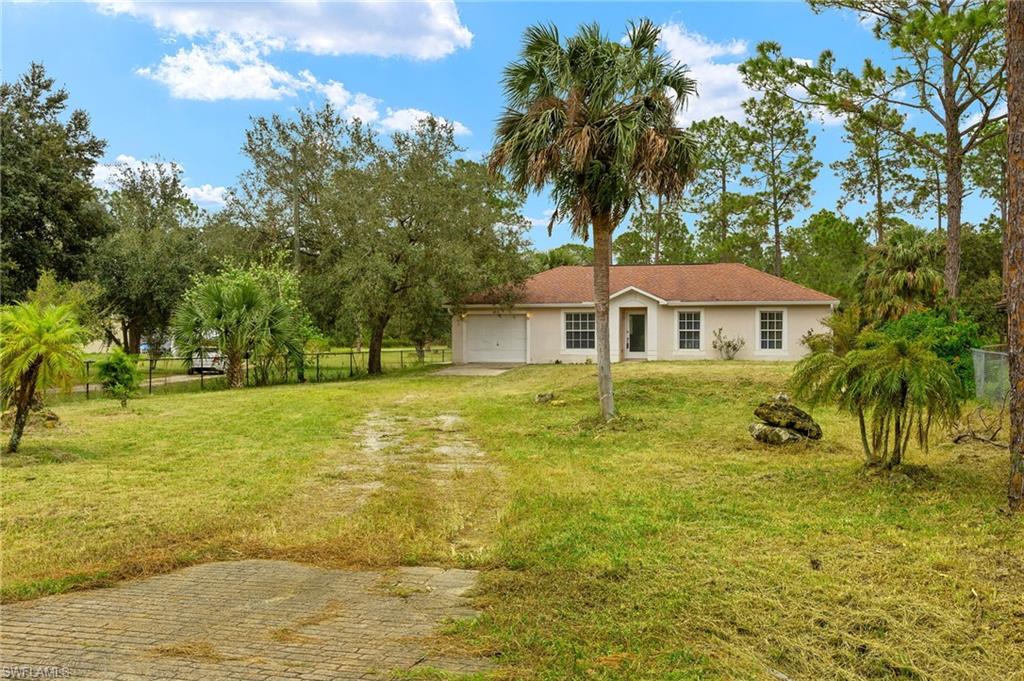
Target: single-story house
666,312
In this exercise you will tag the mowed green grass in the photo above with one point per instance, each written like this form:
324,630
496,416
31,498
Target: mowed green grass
667,545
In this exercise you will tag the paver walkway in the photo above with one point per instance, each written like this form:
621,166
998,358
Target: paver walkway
262,619
253,619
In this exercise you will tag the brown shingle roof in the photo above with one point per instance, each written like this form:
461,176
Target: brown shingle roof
719,282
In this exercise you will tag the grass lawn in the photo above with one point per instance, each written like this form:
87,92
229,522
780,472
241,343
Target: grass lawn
668,545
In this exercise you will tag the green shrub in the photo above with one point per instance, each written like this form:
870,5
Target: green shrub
978,300
951,341
118,375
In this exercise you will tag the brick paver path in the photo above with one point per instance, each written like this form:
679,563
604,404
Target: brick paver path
253,619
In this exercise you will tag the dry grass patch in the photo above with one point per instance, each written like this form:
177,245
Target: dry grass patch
254,473
199,651
665,545
669,545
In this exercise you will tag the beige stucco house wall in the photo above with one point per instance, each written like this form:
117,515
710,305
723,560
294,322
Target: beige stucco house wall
544,328
657,312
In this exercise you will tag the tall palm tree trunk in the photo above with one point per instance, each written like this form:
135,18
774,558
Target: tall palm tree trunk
602,267
23,403
236,369
1014,259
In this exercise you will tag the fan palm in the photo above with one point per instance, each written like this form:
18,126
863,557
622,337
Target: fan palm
234,312
596,119
902,275
42,346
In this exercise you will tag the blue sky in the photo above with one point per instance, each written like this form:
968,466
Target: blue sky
180,80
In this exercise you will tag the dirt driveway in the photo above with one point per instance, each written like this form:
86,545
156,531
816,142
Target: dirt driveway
265,619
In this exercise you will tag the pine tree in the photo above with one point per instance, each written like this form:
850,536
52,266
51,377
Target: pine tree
782,163
875,172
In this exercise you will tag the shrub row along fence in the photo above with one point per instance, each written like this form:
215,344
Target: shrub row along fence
991,373
173,373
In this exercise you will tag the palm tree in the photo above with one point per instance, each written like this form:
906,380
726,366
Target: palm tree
595,118
823,377
42,346
908,387
903,274
902,385
234,312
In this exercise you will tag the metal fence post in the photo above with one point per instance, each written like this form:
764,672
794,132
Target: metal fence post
401,358
87,365
150,378
350,372
202,376
318,367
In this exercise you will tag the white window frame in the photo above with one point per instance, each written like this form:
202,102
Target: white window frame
578,351
702,333
758,350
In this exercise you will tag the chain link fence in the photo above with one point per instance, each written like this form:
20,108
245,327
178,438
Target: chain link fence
991,373
177,374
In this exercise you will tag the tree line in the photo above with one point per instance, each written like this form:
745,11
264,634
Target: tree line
371,236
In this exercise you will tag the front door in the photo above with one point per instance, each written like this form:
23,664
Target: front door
636,335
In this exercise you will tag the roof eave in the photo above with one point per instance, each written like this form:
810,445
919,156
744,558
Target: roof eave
667,303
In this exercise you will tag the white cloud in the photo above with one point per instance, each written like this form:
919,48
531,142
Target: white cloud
407,119
542,221
420,30
227,68
232,68
719,84
104,176
351,105
208,196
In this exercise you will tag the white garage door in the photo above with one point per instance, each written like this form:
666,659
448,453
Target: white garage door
496,339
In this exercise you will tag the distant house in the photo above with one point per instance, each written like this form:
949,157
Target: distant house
658,312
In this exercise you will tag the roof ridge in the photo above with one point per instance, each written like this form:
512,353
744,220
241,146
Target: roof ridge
662,264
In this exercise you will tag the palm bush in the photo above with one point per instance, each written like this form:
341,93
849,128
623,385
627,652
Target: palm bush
903,274
897,388
233,311
596,119
119,376
42,347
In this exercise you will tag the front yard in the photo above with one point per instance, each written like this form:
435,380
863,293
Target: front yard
668,545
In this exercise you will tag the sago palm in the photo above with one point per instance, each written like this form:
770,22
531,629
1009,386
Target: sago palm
596,119
41,347
233,312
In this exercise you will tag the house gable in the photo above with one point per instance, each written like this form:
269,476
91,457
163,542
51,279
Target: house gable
639,291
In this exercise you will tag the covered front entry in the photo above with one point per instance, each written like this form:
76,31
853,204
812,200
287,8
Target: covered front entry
636,335
495,338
